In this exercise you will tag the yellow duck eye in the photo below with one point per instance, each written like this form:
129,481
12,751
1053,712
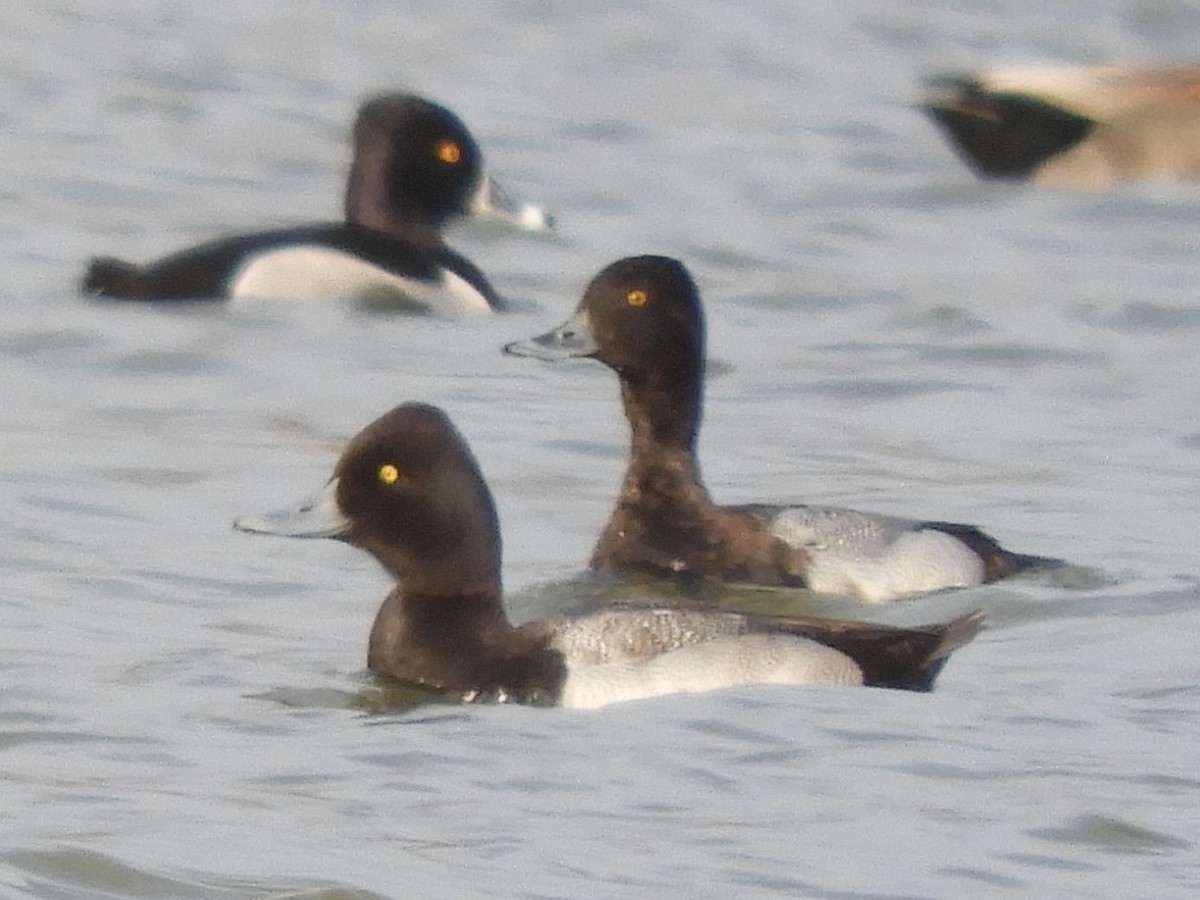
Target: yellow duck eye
636,297
388,474
448,152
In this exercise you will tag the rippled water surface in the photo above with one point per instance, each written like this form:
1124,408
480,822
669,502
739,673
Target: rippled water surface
184,710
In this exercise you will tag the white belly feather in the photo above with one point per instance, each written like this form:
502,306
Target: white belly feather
720,663
316,273
876,558
614,655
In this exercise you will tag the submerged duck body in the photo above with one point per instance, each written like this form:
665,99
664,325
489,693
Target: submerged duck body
416,167
408,490
642,317
1073,126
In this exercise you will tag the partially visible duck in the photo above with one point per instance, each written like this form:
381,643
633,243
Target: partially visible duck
642,318
1073,126
408,491
415,168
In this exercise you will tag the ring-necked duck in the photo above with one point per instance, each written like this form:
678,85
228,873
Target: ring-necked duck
415,168
1073,126
642,317
408,491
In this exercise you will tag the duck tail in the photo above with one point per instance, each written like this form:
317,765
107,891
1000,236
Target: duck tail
1024,562
926,662
919,660
109,277
907,659
958,633
997,562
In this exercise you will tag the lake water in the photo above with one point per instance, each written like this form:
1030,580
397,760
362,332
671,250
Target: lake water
184,710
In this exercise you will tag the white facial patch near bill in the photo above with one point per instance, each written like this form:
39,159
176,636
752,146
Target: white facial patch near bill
320,273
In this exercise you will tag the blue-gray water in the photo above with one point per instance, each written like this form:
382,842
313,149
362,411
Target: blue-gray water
886,333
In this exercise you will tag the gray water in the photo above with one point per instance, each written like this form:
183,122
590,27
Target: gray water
184,710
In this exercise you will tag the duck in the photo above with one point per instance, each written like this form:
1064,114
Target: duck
416,167
1085,127
642,317
408,490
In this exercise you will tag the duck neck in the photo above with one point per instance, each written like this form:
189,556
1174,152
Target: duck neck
370,202
662,483
464,645
366,190
664,518
663,413
435,639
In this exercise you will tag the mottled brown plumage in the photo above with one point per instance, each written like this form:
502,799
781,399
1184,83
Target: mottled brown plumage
664,520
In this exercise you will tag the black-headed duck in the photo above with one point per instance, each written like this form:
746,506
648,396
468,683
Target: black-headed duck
415,168
408,491
642,318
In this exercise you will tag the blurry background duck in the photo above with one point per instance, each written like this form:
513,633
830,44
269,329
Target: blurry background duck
1073,126
416,167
